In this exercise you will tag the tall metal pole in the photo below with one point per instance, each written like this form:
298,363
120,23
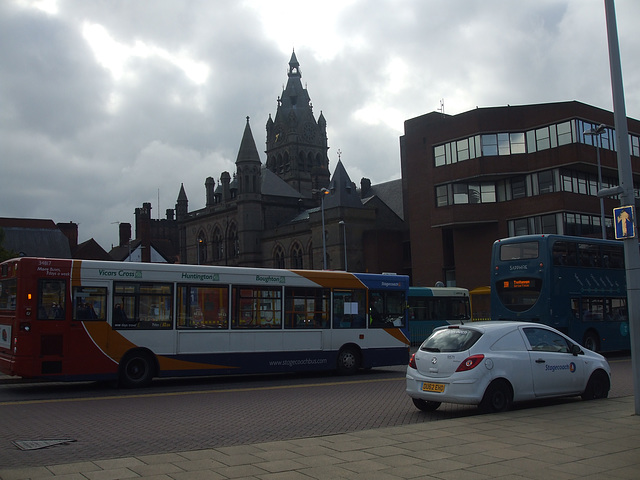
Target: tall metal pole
625,175
602,226
597,133
344,241
323,192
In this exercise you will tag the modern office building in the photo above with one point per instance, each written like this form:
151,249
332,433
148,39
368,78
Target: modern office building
489,173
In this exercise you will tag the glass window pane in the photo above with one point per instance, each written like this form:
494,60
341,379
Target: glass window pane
488,193
349,308
564,133
542,139
463,149
460,193
531,141
51,299
503,144
203,307
257,307
441,196
90,303
438,154
489,145
517,143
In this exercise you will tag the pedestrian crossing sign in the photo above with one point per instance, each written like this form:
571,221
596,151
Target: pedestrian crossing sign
625,221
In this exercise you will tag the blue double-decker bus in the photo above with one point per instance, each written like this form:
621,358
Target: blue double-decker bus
574,284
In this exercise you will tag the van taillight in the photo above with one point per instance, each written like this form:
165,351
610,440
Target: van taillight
412,362
470,363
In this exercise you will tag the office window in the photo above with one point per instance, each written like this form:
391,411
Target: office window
564,133
463,149
545,182
503,144
542,139
460,193
489,145
517,143
442,195
438,155
518,188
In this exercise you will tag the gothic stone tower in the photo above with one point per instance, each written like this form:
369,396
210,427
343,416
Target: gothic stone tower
296,142
249,200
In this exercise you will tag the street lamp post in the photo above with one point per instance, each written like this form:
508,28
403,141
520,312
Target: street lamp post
596,133
199,246
344,237
323,192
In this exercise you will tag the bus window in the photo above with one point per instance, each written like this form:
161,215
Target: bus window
90,303
349,309
519,251
564,253
307,307
617,310
257,307
142,305
386,309
8,294
203,307
51,299
612,256
592,309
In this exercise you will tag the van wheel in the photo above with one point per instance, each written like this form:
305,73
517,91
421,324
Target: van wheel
136,370
497,398
348,361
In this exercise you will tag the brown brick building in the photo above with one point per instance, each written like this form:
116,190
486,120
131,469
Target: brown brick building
490,173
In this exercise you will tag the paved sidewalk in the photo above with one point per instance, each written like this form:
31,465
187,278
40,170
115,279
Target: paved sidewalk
598,439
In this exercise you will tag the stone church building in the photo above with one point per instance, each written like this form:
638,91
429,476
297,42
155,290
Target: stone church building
273,214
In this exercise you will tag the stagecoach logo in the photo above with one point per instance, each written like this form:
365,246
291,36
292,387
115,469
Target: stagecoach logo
120,273
557,368
269,279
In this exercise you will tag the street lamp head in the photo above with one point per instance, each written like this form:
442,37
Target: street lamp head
599,130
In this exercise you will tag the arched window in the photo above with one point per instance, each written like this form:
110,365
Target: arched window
218,245
201,248
278,257
296,256
310,254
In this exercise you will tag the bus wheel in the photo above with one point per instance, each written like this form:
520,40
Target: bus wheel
136,370
590,341
597,387
425,405
497,398
348,361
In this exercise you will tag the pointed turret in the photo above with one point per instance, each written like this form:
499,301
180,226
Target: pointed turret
182,204
248,164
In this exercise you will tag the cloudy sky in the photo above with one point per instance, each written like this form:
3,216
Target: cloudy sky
106,104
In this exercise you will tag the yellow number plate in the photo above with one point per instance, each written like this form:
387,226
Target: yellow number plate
433,387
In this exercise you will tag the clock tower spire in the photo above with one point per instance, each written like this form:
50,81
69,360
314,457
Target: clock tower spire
296,141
